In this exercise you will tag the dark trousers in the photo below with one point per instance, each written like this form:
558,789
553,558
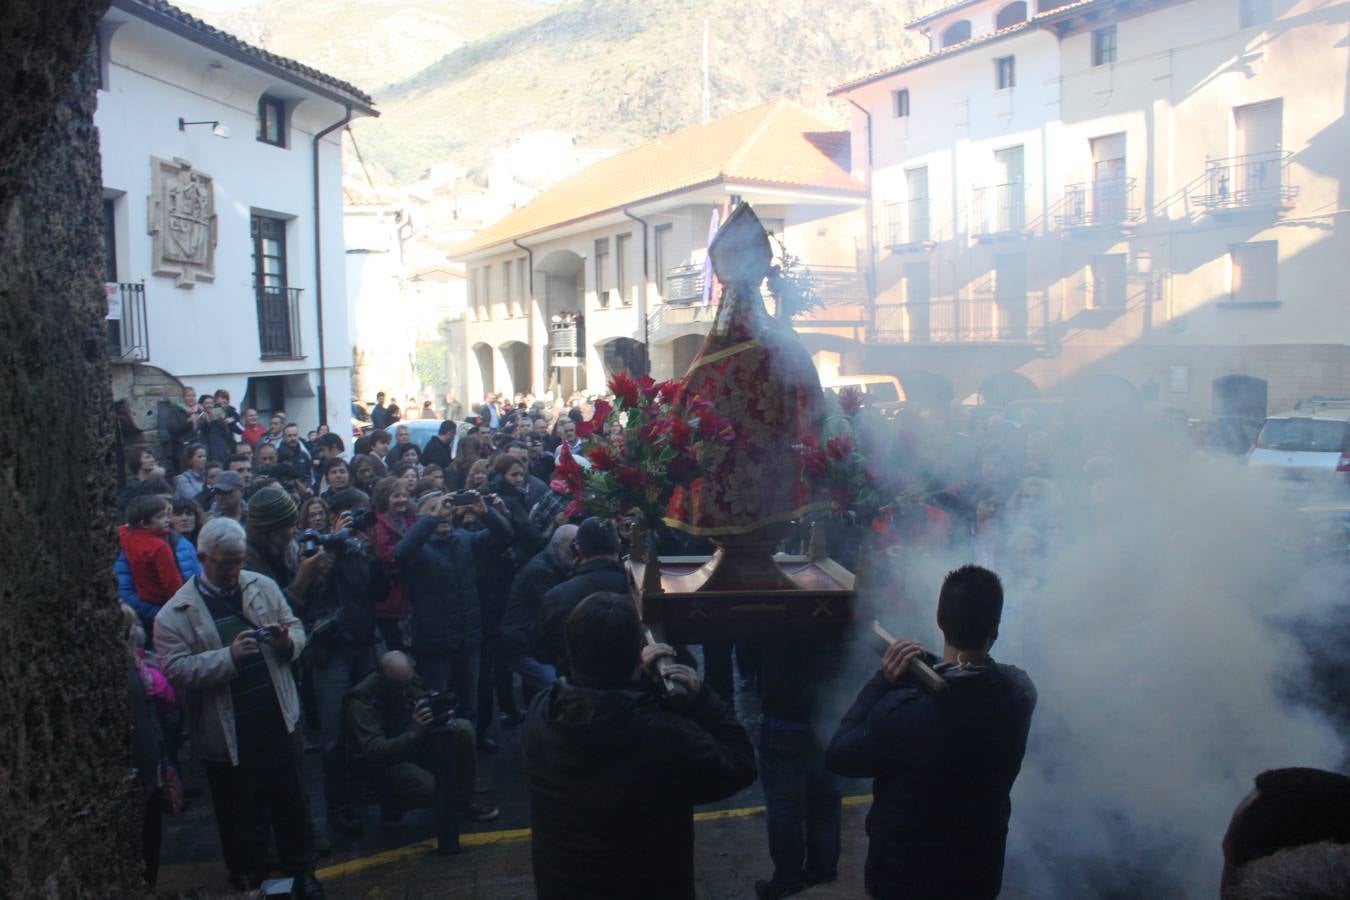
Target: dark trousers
802,803
152,831
494,676
333,669
392,632
265,783
457,672
441,777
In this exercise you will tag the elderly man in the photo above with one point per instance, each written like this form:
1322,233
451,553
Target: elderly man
548,568
227,640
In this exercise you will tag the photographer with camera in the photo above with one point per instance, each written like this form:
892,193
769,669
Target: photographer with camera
408,738
615,765
271,527
436,559
341,627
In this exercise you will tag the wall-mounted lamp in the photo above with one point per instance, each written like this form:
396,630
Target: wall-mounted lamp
219,130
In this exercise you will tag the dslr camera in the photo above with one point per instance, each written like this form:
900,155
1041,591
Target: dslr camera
442,705
363,519
339,542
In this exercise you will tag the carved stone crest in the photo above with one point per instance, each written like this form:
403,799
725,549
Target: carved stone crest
183,222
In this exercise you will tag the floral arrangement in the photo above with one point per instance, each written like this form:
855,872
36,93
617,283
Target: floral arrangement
836,465
648,442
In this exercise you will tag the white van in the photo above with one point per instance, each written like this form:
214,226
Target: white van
882,393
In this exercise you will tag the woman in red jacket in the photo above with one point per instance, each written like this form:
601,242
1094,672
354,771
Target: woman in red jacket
393,515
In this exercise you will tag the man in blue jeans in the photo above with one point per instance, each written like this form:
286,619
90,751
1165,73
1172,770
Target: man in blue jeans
801,797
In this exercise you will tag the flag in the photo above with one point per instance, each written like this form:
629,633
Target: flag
710,277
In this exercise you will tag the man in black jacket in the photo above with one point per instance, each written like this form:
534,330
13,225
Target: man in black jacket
596,569
943,764
614,769
437,450
548,569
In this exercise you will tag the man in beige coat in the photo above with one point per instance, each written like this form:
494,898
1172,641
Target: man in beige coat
226,640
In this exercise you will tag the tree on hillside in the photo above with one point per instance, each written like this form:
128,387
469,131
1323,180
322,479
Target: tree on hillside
69,821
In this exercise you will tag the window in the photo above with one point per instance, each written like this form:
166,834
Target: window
662,249
901,101
1108,281
1005,73
277,326
916,219
508,295
1253,12
621,243
956,34
1254,266
522,286
272,121
602,271
1010,15
1104,46
918,295
109,240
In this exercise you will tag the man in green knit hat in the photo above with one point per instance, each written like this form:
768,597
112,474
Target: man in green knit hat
272,550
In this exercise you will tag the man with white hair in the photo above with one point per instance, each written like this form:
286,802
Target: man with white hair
226,640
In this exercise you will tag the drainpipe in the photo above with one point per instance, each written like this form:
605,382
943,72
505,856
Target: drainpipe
318,267
529,254
871,275
642,295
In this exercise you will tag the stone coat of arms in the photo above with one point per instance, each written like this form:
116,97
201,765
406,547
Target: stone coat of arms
183,222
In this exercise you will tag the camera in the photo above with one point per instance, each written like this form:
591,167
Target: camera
461,498
262,635
339,542
363,519
442,705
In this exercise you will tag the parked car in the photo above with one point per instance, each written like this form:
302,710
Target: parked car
882,393
423,430
1309,443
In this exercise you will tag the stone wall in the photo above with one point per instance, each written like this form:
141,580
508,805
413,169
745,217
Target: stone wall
69,816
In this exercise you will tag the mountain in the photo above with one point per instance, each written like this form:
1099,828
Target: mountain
615,73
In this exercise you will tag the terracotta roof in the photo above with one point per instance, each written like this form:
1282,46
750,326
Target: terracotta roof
174,19
915,61
941,11
777,143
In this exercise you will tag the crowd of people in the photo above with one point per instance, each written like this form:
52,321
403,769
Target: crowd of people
392,607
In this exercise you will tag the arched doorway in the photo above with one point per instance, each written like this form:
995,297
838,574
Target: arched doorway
516,355
1004,388
481,372
1240,396
563,276
623,353
1012,14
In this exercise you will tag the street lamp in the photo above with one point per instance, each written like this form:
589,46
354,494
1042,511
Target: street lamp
219,130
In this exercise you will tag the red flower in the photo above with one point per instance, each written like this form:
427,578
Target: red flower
574,508
710,428
815,463
597,420
681,432
839,447
810,442
649,432
850,401
569,472
648,386
670,391
629,477
624,389
601,458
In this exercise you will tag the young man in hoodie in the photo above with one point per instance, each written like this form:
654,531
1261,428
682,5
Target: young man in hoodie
943,764
615,767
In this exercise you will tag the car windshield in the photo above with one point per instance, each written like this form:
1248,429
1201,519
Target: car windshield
1304,435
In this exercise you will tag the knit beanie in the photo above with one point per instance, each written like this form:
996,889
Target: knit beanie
271,509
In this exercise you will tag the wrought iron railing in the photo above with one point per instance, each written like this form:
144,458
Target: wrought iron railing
835,286
684,283
947,321
129,333
907,222
1246,182
999,209
279,323
1105,202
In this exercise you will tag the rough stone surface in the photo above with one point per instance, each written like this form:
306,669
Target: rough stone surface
69,825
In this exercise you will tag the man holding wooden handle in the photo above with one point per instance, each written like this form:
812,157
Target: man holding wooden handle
943,761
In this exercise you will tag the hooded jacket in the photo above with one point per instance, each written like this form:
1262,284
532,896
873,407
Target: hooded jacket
540,575
613,777
153,566
943,768
442,581
590,577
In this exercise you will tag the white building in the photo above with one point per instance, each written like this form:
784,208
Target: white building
1144,199
604,270
223,208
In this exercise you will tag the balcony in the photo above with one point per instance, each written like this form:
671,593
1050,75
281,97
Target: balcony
1259,181
684,284
907,224
128,328
279,323
963,321
566,339
842,291
999,211
1106,203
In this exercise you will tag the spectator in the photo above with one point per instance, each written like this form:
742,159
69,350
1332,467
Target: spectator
242,465
407,473
470,451
541,463
145,540
253,431
393,518
437,450
265,457
366,472
210,474
942,768
147,753
395,414
379,415
271,528
434,474
1286,808
341,652
227,497
226,640
477,478
314,514
187,519
614,769
293,454
403,453
213,431
334,477
435,557
276,426
390,724
380,442
566,432
141,467
427,411
596,570
191,481
549,568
